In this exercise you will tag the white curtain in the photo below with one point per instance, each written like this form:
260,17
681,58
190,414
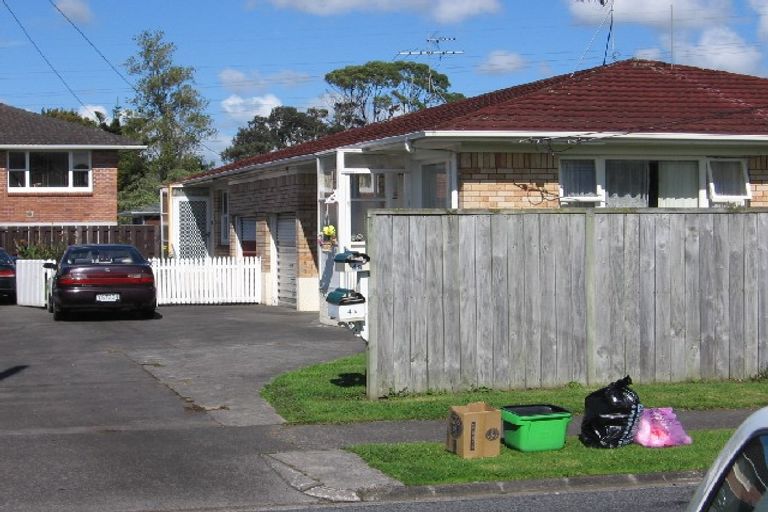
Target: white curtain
678,184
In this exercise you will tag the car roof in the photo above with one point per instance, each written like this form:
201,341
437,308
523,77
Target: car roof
101,246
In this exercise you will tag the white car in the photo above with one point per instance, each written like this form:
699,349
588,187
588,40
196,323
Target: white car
738,479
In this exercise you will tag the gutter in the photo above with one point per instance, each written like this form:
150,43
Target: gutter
69,146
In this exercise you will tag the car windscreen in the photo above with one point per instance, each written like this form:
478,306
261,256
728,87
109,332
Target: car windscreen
104,255
5,259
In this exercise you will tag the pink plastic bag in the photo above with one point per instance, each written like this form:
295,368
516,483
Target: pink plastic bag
659,427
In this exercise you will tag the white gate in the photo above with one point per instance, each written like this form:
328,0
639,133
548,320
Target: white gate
31,279
207,280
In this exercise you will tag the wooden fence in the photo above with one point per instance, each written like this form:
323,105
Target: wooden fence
145,237
207,280
535,299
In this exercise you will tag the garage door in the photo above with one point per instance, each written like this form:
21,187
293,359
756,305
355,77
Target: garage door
286,260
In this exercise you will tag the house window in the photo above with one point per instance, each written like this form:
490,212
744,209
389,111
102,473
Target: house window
636,182
434,186
367,192
59,170
728,181
224,217
578,183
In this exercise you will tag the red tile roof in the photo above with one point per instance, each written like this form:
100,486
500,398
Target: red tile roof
631,96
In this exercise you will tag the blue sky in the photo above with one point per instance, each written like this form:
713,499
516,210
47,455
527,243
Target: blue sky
251,55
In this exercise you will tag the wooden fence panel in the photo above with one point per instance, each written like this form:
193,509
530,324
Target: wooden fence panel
532,298
146,238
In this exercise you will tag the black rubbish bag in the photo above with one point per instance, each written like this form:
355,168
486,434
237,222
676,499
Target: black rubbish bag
611,415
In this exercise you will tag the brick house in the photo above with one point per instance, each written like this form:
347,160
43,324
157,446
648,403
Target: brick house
631,134
56,172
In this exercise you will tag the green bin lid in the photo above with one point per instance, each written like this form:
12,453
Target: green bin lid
536,411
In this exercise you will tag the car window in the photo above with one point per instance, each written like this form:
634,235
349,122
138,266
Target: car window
104,255
744,487
4,258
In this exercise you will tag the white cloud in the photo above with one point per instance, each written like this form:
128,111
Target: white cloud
76,10
243,109
648,54
656,13
501,62
720,48
253,81
443,11
761,8
87,111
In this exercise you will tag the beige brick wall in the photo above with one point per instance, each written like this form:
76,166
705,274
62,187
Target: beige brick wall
508,180
289,194
98,206
758,179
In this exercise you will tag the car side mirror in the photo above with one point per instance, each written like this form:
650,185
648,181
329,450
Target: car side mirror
51,266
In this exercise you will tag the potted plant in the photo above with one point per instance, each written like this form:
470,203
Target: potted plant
327,238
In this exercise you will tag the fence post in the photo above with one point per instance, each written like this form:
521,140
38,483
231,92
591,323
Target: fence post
591,293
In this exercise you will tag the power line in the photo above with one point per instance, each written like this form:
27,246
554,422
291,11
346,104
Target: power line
18,22
92,45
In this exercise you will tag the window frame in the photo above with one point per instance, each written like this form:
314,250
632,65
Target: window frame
224,217
71,171
716,198
598,200
706,198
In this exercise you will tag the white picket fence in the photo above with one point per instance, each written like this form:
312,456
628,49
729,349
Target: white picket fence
179,281
207,280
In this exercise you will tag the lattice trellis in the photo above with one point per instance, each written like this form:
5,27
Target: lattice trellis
192,229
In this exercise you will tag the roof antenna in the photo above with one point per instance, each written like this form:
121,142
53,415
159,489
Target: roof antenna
610,35
672,33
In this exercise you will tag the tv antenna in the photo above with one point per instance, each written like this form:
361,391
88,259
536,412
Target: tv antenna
434,49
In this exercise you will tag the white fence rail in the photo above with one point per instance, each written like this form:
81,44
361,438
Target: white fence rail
178,281
30,282
207,280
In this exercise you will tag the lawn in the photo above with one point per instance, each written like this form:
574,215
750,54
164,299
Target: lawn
334,392
430,464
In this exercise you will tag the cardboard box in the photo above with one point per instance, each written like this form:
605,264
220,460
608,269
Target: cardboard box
474,431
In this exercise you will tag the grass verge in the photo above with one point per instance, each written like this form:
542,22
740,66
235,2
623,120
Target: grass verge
430,464
334,392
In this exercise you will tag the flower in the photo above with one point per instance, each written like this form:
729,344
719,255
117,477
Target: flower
329,231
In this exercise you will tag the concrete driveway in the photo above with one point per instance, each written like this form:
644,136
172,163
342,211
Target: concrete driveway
109,412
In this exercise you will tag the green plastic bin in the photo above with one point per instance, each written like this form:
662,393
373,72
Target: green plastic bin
535,428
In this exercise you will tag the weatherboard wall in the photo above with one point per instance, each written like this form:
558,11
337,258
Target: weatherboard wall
521,299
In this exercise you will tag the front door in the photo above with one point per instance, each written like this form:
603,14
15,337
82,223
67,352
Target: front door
191,220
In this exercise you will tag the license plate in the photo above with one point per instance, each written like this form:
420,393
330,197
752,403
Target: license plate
107,297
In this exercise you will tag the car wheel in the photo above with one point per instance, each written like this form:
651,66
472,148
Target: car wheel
58,314
147,313
50,304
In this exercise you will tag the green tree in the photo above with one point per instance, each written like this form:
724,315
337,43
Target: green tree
70,116
168,115
377,91
284,127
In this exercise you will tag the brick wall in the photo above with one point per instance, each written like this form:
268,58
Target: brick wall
293,193
758,179
508,180
98,206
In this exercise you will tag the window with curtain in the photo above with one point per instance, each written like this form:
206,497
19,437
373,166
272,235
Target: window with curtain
626,183
728,181
578,181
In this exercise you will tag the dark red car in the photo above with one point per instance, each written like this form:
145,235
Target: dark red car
7,277
102,277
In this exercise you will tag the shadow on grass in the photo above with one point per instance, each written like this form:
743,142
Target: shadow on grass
348,380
